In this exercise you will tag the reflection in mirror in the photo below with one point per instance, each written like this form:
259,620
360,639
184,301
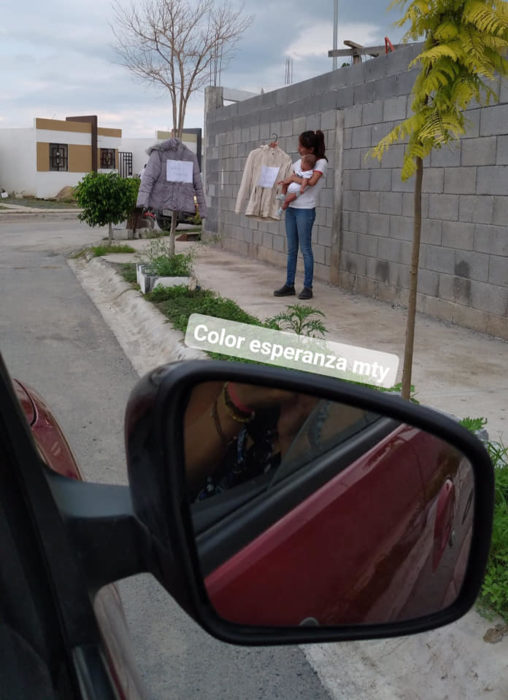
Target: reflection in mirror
306,509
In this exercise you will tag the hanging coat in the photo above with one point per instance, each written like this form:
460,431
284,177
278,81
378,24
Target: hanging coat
257,174
158,192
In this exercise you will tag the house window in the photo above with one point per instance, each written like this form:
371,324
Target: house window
58,156
107,158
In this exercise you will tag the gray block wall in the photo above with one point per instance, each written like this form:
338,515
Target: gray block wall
363,230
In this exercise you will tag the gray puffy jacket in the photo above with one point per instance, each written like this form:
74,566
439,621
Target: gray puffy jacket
156,192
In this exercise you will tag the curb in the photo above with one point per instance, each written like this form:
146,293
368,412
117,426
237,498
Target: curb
144,334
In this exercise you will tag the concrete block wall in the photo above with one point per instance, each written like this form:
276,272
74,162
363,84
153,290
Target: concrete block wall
363,231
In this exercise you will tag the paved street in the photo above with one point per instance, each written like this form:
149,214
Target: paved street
52,336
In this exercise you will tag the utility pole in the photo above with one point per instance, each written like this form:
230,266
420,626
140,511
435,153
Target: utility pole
335,23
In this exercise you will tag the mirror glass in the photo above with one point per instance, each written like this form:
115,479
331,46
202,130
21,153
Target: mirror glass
311,512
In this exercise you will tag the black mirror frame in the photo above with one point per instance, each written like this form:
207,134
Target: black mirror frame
169,388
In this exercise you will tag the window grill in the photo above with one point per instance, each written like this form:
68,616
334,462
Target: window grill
125,163
108,158
58,156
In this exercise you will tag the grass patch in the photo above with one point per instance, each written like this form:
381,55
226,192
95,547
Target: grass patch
99,250
41,203
128,272
178,303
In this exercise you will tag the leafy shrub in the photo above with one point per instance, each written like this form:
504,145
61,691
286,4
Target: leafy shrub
297,318
165,265
494,593
106,198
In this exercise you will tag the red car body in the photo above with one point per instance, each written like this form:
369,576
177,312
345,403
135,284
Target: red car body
392,531
55,451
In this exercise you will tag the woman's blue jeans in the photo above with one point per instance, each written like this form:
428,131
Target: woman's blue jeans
299,232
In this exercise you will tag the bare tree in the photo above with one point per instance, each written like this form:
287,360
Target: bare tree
173,43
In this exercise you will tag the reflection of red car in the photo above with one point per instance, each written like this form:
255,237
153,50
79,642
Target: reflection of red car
396,519
57,454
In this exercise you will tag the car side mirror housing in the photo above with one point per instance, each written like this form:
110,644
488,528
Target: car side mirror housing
288,507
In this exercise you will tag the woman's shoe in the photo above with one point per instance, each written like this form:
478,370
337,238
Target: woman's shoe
284,291
306,293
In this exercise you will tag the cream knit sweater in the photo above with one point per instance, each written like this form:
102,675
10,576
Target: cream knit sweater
262,203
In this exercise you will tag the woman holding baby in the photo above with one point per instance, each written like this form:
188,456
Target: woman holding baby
301,211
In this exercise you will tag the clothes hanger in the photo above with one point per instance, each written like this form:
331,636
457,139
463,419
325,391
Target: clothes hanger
274,143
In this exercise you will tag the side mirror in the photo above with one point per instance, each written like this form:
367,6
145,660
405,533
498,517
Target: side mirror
289,507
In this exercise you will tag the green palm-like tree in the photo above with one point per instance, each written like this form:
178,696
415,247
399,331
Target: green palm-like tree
464,47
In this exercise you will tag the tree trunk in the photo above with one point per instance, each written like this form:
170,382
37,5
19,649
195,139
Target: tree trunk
413,283
172,230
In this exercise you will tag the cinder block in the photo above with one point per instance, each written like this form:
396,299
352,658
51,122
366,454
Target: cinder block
393,157
395,108
457,234
329,120
491,239
460,180
368,245
401,227
444,206
493,120
431,231
361,137
377,224
433,180
372,112
398,251
500,211
381,180
349,242
447,156
355,264
351,200
488,297
348,139
479,151
438,258
476,209
400,185
498,270
428,282
390,203
369,201
492,179
502,150
351,159
472,265
324,236
359,179
353,116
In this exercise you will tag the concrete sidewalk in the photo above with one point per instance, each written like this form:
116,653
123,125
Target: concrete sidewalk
455,369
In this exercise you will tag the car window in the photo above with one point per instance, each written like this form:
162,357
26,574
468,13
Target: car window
329,425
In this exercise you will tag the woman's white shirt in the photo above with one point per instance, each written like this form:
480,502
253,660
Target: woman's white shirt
309,199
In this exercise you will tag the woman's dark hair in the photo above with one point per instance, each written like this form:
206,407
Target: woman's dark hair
314,140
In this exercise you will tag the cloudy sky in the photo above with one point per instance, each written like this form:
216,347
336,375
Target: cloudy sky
57,58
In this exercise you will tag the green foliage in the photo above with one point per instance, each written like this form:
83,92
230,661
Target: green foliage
473,424
128,272
465,43
297,318
494,594
99,250
106,198
165,265
178,303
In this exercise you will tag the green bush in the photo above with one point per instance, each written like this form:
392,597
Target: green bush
106,198
494,594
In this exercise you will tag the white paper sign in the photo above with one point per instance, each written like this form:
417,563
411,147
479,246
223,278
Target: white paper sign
179,170
268,176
